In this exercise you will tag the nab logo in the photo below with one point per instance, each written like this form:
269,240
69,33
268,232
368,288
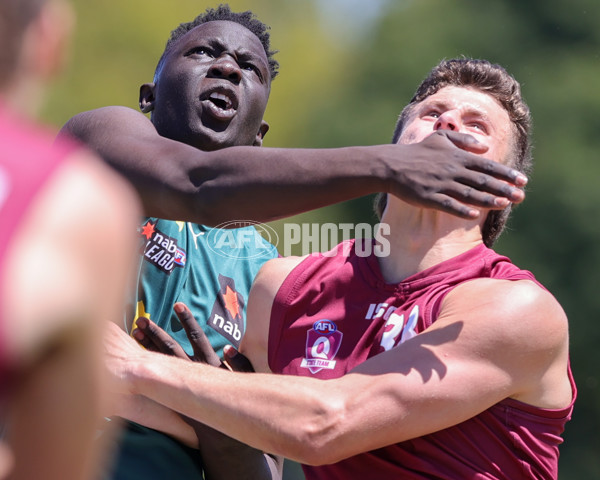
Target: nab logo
226,316
161,250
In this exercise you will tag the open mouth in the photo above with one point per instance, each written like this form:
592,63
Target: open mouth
220,103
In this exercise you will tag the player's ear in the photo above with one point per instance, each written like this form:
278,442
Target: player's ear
147,97
262,131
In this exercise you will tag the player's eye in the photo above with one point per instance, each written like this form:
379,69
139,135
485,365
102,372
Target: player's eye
433,113
251,67
478,126
201,51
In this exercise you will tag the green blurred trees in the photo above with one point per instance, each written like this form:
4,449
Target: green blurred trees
344,85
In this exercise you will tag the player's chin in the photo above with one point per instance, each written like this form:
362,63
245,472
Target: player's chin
212,140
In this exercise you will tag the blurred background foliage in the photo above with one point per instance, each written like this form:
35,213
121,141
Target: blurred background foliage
347,68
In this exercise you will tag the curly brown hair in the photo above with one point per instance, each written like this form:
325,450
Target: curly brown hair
495,81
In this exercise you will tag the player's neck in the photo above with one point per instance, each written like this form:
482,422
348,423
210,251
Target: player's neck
422,238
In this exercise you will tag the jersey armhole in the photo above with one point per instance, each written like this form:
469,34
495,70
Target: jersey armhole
287,292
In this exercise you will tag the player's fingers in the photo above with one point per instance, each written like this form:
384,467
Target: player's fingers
481,190
203,350
477,162
144,341
156,339
490,168
445,203
235,361
463,141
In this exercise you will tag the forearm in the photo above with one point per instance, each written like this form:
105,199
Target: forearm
178,181
146,412
264,184
249,183
252,408
224,457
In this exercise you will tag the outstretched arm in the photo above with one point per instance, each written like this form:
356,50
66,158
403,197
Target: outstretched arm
412,390
177,181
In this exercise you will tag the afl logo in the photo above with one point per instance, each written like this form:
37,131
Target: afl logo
180,257
323,341
324,327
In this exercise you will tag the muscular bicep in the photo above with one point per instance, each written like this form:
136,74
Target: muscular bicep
266,284
484,347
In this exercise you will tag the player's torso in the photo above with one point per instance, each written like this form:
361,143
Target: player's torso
331,314
210,270
344,313
334,311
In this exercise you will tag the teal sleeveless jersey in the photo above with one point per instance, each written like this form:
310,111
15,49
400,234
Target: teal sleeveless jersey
210,270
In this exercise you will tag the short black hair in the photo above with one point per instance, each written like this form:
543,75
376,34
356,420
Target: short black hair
223,12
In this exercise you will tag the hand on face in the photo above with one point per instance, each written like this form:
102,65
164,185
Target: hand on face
444,177
462,110
458,139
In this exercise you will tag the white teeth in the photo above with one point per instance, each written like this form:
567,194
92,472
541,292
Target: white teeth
223,98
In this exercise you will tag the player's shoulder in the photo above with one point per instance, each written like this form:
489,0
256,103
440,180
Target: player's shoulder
511,308
107,113
514,294
79,227
274,271
268,281
111,119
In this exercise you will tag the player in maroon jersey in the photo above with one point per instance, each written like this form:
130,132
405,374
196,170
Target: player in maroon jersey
443,359
66,236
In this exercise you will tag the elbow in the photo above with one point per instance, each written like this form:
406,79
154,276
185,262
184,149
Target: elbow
210,207
175,199
207,204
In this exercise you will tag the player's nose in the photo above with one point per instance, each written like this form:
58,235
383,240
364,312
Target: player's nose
225,67
447,121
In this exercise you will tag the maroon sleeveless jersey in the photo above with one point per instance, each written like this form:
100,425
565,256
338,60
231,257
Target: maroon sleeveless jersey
334,311
28,157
